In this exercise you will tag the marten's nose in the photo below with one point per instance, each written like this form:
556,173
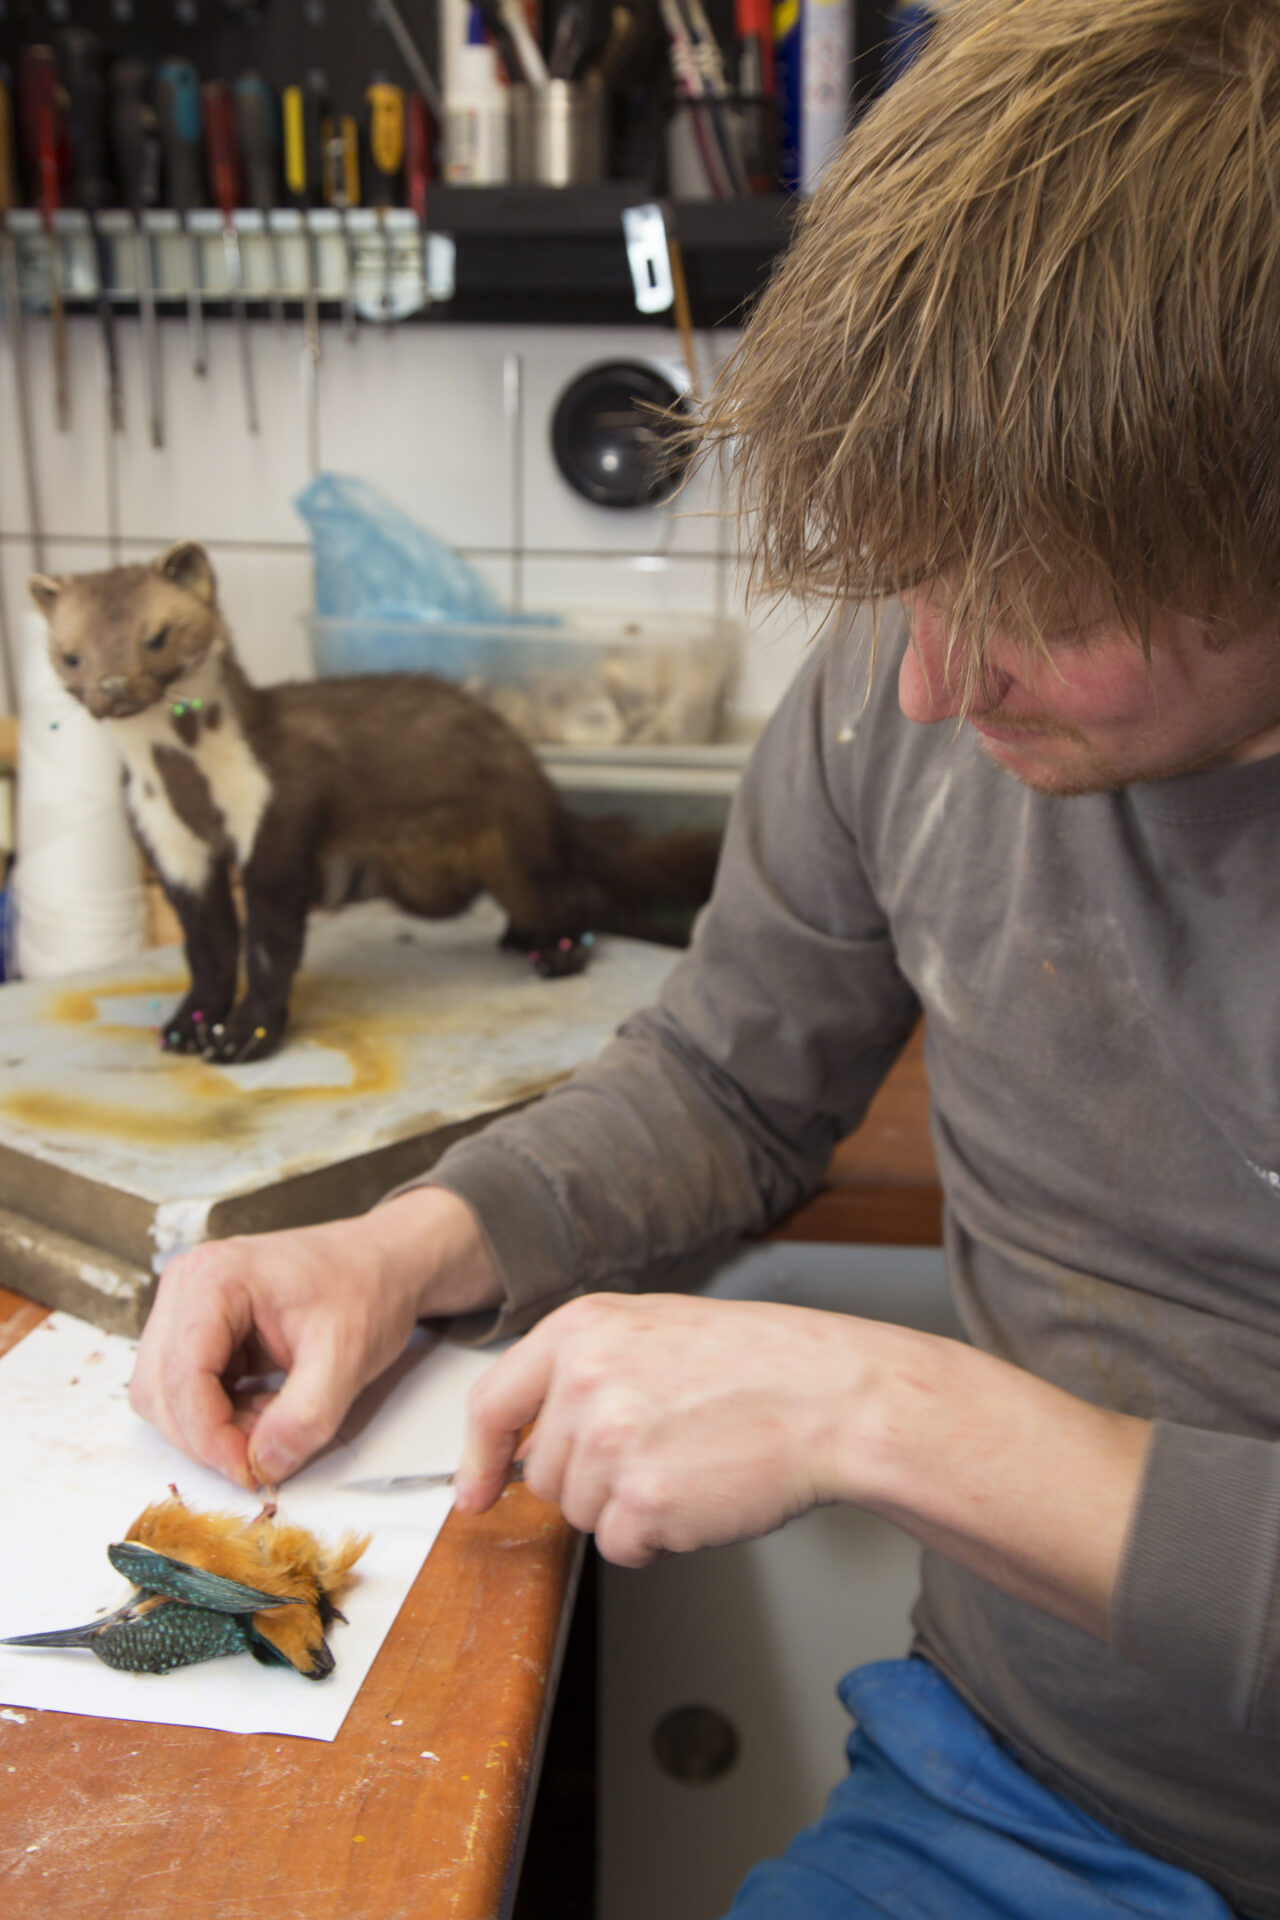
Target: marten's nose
113,683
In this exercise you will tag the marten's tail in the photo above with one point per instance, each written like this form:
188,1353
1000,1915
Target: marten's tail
652,884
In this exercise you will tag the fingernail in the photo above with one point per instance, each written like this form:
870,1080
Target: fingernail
463,1489
272,1462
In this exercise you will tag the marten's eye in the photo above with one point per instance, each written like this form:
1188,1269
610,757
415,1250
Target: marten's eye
157,640
71,659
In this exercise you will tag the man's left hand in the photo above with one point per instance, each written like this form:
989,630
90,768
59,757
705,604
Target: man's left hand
666,1423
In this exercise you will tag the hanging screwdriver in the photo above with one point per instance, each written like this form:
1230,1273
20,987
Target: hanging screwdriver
386,162
90,187
178,111
417,175
13,312
222,162
136,137
342,192
43,118
258,137
303,113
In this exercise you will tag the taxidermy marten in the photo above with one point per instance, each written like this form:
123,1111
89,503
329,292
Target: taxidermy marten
402,774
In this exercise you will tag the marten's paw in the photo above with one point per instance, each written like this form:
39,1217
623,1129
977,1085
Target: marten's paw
244,1035
188,1027
560,958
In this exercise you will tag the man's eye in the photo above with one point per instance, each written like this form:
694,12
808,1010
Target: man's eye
71,659
157,640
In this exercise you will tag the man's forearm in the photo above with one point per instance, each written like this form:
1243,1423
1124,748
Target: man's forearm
665,1423
1000,1471
432,1250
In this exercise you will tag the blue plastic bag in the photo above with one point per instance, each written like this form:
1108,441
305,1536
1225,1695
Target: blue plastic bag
373,562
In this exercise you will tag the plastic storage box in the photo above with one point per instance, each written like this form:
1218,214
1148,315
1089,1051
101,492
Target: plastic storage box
592,680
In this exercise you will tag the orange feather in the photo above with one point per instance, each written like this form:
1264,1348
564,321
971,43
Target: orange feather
271,1556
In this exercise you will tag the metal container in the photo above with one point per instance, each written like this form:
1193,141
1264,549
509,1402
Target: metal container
559,133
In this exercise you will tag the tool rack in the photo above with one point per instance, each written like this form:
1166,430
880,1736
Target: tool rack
395,269
494,254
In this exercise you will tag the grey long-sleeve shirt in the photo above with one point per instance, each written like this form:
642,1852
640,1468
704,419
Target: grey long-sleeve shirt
1103,1042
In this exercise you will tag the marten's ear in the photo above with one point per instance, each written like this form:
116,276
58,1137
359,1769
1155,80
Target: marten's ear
187,565
44,591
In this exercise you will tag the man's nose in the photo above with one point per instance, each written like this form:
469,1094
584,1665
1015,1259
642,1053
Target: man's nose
931,678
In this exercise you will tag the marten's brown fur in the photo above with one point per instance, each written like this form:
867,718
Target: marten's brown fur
401,774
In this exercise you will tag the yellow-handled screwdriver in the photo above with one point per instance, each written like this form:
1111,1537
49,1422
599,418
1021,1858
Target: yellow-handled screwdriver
302,111
342,192
386,164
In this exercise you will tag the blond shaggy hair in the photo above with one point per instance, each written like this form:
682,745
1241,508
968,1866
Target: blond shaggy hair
1027,340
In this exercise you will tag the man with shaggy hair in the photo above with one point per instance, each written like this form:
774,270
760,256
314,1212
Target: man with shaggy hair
1018,382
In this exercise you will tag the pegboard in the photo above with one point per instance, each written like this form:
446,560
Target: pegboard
281,39
284,39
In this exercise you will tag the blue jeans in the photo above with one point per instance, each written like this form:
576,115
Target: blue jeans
936,1821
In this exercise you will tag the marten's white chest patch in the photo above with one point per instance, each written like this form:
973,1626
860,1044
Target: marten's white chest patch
194,787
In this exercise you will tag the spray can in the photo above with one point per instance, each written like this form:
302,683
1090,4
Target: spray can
826,89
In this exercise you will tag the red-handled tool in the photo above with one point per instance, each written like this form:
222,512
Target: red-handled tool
222,162
42,113
11,300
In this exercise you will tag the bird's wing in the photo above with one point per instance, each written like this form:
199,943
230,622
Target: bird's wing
158,1573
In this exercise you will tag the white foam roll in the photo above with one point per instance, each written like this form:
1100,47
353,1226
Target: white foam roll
78,879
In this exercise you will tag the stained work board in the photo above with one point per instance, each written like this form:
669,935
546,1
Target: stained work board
404,1035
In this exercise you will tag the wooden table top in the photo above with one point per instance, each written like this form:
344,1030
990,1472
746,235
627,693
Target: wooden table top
419,1807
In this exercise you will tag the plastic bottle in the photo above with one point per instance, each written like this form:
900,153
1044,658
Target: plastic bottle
477,114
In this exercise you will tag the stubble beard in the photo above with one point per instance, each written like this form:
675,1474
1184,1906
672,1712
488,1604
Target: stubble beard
1091,773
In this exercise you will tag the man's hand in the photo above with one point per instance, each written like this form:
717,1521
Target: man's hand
330,1306
665,1423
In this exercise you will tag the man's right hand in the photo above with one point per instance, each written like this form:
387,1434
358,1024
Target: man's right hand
329,1306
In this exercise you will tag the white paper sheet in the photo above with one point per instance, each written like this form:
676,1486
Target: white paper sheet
79,1466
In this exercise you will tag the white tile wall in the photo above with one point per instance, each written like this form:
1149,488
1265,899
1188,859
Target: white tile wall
451,423
420,412
212,478
71,467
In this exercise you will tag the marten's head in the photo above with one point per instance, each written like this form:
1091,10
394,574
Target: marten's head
118,639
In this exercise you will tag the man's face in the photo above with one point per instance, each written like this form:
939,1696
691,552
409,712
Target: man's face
1095,714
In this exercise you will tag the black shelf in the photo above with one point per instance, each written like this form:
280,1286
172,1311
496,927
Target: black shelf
556,255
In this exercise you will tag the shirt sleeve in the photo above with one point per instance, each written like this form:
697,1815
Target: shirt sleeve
714,1112
1197,1603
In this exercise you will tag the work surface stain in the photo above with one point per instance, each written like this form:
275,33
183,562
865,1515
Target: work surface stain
346,1016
